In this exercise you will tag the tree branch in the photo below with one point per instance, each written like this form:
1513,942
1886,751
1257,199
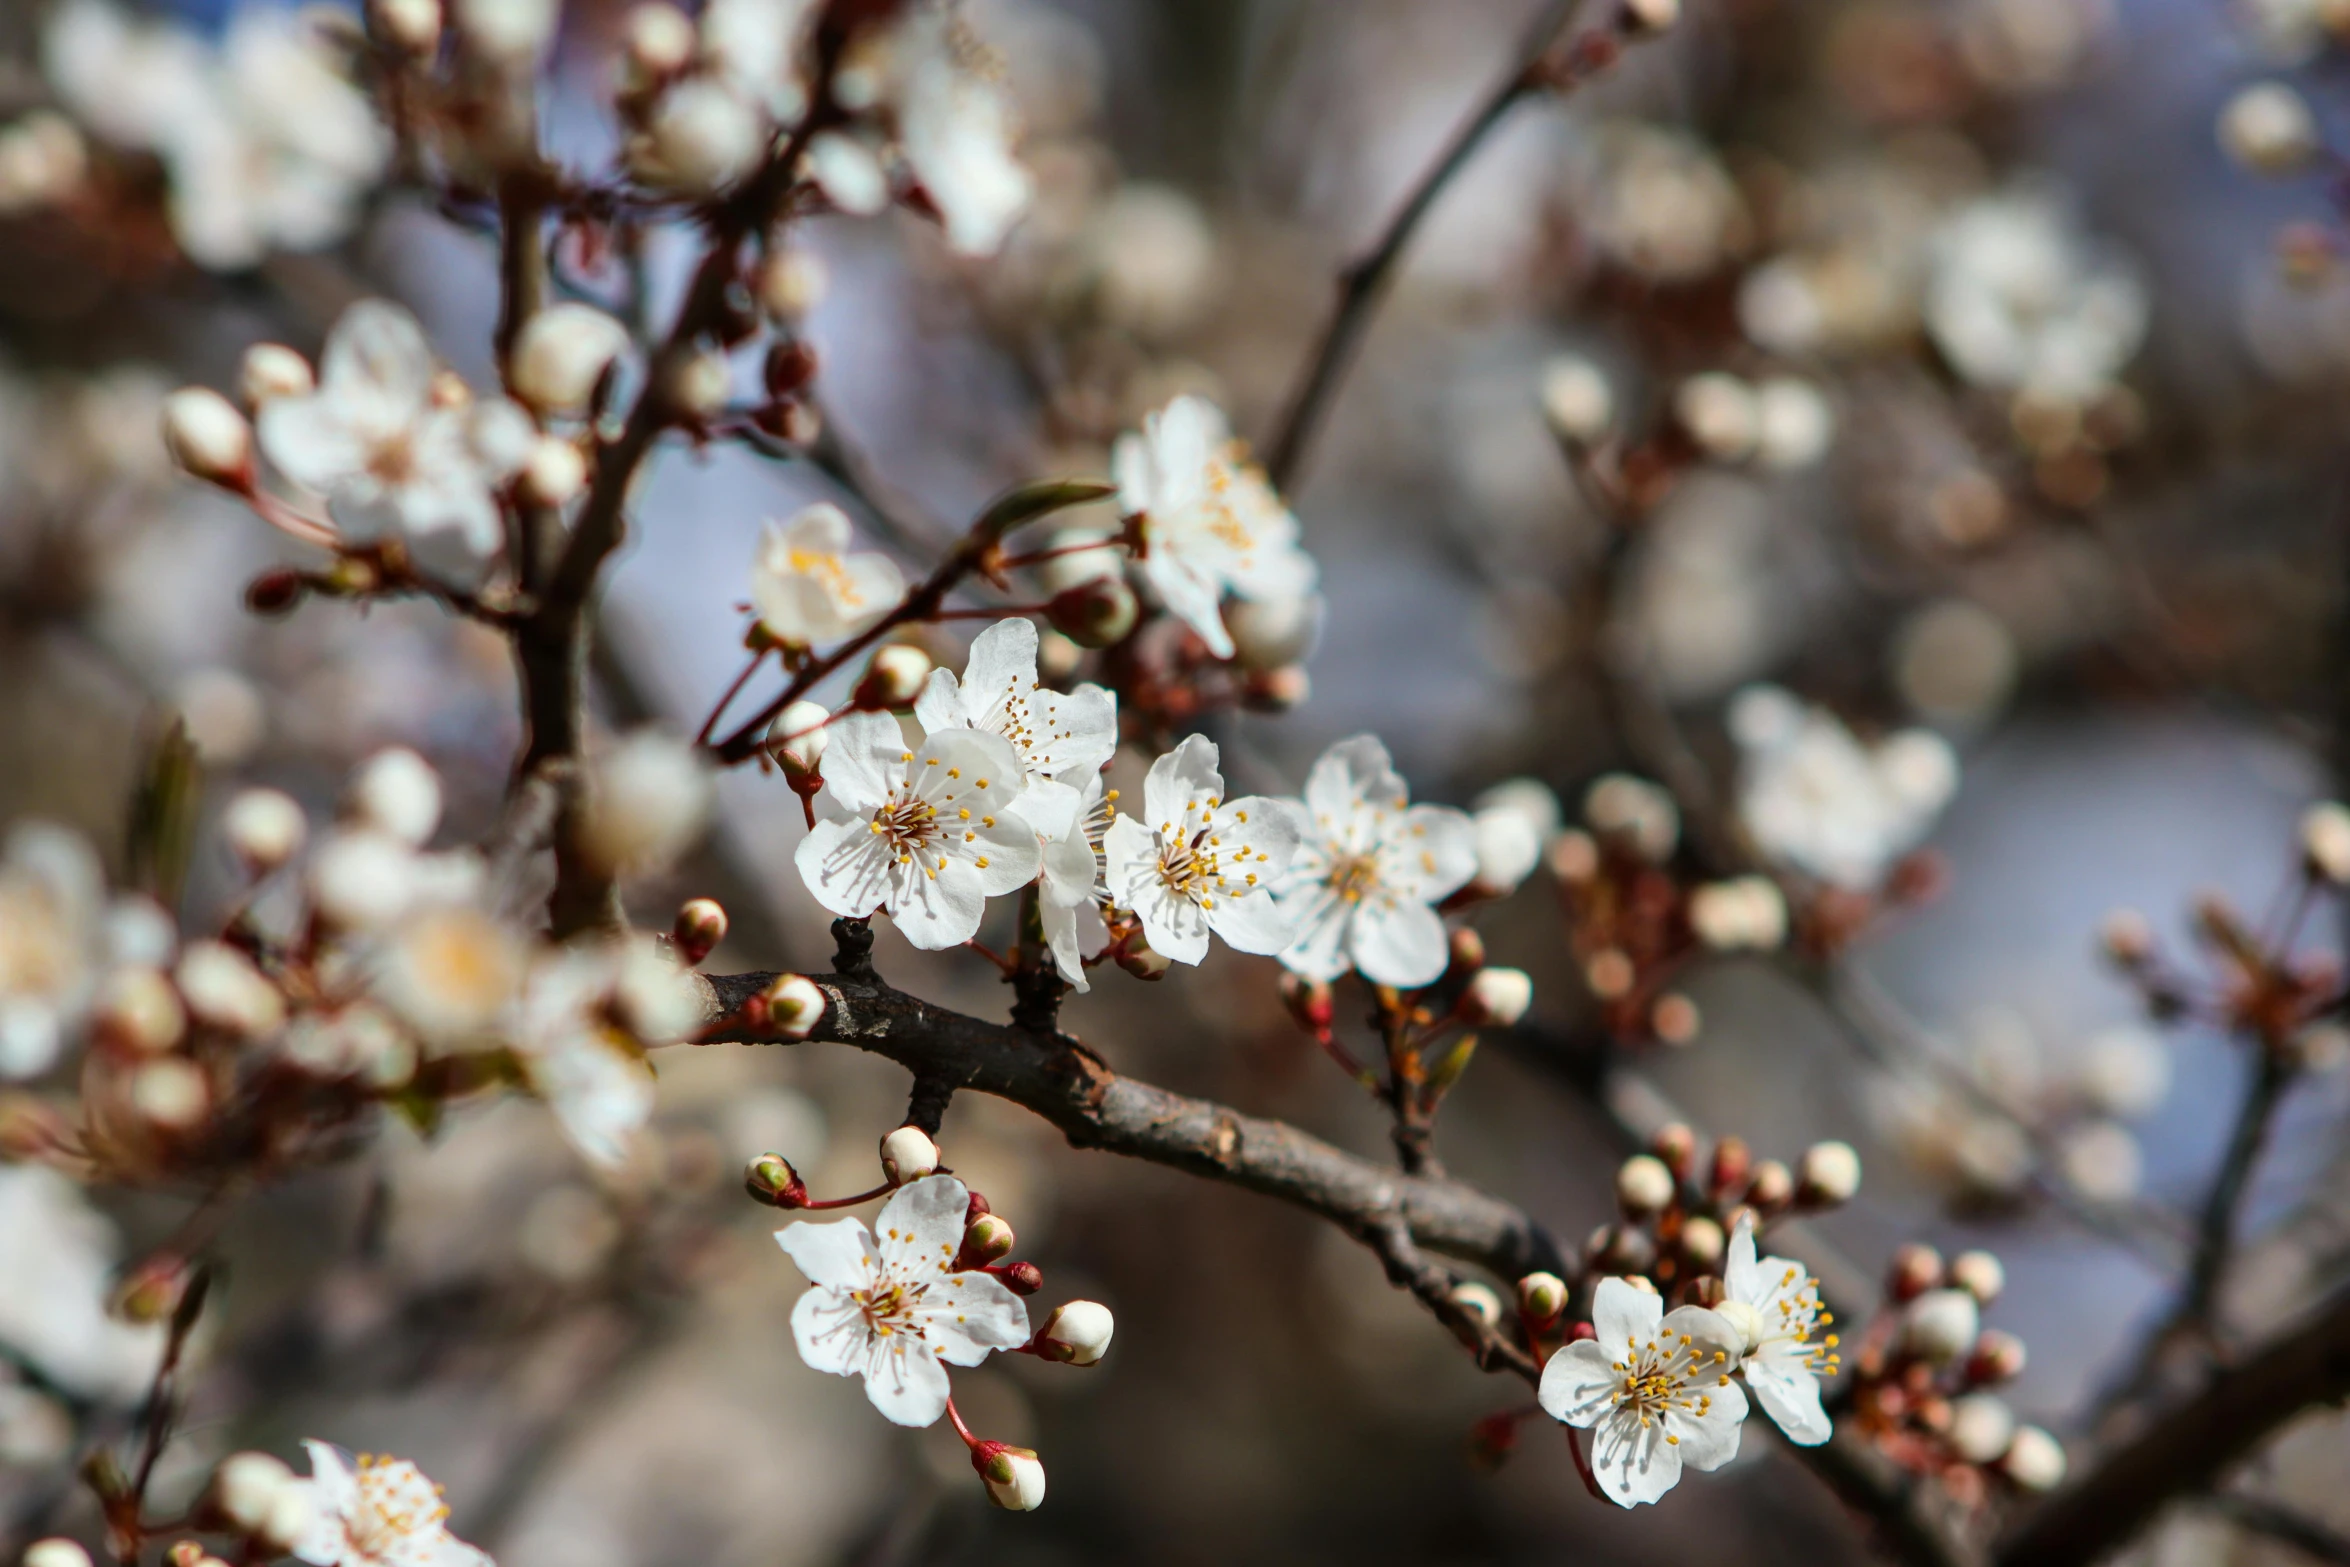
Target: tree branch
2283,1524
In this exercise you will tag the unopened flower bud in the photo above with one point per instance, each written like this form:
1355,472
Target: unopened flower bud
1644,1187
1477,1301
1979,1274
646,800
1013,1475
1097,613
1794,424
275,592
1542,1296
170,1093
139,1011
1720,414
2267,127
1771,1187
1827,1176
1732,1162
1499,996
1077,1333
56,1551
208,438
2034,1460
265,828
1137,957
2127,937
770,1179
223,989
1573,857
290,1517
1464,952
797,738
1311,1003
245,1490
2325,841
1651,16
1981,1425
397,793
152,1291
562,353
908,1154
270,371
986,1239
1021,1278
1674,1019
1998,1356
1273,633
1915,1268
701,136
789,366
1508,848
791,281
510,34
696,382
894,677
660,40
1620,1249
1940,1325
699,927
1702,1242
1576,399
555,473
1282,690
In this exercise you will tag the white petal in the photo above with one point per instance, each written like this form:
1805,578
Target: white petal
1069,869
846,865
940,908
940,706
1076,734
1184,774
377,362
1012,853
969,1315
1321,919
905,1381
1741,1278
1253,923
920,1228
1050,807
1579,1383
1399,943
840,1254
1432,854
1710,1440
1620,1313
1002,662
1634,1463
1790,1395
830,1332
306,439
1190,594
864,760
1351,773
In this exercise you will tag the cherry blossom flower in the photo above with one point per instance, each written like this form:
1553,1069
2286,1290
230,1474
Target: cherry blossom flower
894,1311
1210,522
377,1512
956,124
808,587
1203,863
1074,889
1654,1390
1059,737
1363,886
57,1264
2020,299
1775,1307
927,834
393,459
581,1043
52,899
1816,798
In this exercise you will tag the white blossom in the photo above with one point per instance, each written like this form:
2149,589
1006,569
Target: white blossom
52,905
1062,739
2019,300
1816,798
392,460
56,1265
207,436
1775,1306
1369,872
1196,862
577,1057
895,1311
928,834
1654,1390
1209,520
1075,887
956,124
808,587
376,1512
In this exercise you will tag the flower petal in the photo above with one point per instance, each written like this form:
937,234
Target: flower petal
968,1316
1254,923
1399,942
1633,1463
1620,1313
940,908
1709,1439
1579,1383
864,760
1790,1395
920,1228
840,1254
846,866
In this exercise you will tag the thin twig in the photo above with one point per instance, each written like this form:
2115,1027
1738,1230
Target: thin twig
2317,1541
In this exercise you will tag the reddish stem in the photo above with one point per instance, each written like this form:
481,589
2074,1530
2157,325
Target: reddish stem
961,1430
726,700
883,1190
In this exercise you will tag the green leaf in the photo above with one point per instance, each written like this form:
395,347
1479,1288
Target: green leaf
1028,502
162,831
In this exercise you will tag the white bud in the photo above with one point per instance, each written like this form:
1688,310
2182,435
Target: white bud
44,159
1828,1173
1651,16
362,880
849,173
264,827
1530,798
1980,1274
1073,560
139,1010
2268,128
2125,1072
290,1516
1636,811
1745,1321
2325,840
661,39
2034,1460
270,371
1794,423
555,472
1577,399
696,382
794,1005
1542,1296
791,282
646,800
1078,1332
223,988
1508,848
56,1552
397,793
1940,1325
1981,1426
908,1154
1499,996
1274,633
170,1092
508,33
894,678
1720,414
658,1002
703,136
1643,1185
800,735
560,355
207,437
1478,1300
1014,1478
2102,1161
245,1489
1743,912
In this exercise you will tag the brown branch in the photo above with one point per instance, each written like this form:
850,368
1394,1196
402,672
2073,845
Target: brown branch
2287,1526
1541,63
2191,1446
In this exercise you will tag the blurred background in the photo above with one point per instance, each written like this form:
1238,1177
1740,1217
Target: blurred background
2042,338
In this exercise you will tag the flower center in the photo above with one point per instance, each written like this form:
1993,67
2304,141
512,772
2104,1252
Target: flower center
906,824
888,1308
827,570
1797,1314
1353,877
1661,1380
392,460
394,1505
